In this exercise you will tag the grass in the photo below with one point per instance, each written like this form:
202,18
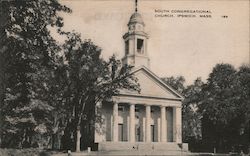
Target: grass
24,152
39,152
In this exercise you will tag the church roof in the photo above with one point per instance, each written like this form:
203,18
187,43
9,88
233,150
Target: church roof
136,18
159,81
152,86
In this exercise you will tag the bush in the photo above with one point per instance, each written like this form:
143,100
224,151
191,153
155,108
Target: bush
23,152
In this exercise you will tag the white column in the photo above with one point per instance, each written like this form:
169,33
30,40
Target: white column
78,140
132,123
177,124
115,122
148,123
163,124
144,129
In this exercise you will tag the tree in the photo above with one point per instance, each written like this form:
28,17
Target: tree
53,93
191,115
191,126
243,85
217,112
29,52
91,80
220,109
176,83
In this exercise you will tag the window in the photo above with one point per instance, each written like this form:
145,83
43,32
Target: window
137,109
137,133
121,108
126,47
140,49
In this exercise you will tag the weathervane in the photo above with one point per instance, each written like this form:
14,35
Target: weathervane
135,5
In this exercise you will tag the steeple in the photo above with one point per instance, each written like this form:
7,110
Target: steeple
136,41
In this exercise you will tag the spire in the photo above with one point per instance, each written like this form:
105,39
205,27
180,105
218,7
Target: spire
135,5
136,41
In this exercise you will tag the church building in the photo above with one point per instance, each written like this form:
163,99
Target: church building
151,119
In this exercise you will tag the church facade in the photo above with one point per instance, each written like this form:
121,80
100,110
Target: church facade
149,119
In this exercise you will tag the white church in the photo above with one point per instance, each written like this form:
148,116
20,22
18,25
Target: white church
151,119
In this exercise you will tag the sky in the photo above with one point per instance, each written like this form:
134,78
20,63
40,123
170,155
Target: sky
187,46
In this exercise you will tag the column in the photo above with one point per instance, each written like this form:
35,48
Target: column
78,139
177,124
163,124
115,122
132,123
148,123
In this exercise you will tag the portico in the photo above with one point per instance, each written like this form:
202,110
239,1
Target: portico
150,129
151,116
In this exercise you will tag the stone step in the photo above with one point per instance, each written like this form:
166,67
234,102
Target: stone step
127,146
130,153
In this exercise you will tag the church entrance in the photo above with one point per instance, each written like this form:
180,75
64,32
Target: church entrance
152,133
120,132
138,133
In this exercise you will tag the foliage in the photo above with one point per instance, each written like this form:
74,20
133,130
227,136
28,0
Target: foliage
243,82
225,107
91,79
191,127
220,93
49,88
26,152
216,111
191,115
176,83
29,54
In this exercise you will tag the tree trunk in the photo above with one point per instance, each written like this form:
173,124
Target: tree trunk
78,139
53,142
2,88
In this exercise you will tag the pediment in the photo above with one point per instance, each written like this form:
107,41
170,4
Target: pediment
152,86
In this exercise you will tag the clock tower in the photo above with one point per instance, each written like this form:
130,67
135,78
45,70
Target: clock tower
136,42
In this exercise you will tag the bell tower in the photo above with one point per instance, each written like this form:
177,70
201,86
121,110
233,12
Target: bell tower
136,42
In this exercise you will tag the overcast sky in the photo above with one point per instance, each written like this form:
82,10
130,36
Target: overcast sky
177,46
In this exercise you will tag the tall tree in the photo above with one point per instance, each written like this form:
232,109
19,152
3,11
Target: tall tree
191,126
219,107
29,52
216,111
91,80
191,115
243,104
